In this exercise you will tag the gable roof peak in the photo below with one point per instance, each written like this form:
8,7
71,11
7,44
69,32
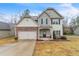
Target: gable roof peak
51,13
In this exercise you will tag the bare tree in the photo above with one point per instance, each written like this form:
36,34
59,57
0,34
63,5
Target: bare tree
74,23
65,21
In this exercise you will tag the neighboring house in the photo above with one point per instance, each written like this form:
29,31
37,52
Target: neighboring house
67,30
76,30
12,28
46,26
4,30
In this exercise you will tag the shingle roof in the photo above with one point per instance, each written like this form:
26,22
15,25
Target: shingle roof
34,17
52,13
4,25
48,11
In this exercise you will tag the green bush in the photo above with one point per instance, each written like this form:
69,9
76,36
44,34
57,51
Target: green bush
68,33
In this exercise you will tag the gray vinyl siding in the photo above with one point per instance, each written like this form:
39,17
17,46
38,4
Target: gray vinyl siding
4,30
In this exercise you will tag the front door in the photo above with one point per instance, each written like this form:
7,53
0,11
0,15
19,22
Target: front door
44,34
54,35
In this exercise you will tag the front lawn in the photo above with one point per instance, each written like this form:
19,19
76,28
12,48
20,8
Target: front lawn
7,40
58,48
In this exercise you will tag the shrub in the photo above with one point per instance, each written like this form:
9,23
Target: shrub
16,38
63,38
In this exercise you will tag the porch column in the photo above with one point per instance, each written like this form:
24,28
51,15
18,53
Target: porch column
38,34
51,33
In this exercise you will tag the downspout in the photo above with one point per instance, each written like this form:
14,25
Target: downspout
37,33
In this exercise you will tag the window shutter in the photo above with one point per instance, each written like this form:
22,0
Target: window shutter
46,21
59,21
51,21
41,21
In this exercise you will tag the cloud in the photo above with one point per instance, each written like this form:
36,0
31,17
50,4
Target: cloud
8,18
65,9
68,10
35,13
66,4
5,18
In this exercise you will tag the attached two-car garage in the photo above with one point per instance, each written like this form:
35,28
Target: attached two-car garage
27,35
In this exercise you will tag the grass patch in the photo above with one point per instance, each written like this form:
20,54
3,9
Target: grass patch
58,48
7,40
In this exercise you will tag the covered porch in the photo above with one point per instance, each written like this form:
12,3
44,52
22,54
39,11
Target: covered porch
45,33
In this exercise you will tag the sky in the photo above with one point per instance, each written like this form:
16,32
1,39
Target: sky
8,10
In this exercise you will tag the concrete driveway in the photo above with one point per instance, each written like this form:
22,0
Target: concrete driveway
21,48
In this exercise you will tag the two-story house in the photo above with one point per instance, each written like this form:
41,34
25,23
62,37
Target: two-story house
46,26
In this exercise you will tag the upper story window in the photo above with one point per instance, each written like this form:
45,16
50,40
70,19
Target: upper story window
41,21
46,21
36,20
55,21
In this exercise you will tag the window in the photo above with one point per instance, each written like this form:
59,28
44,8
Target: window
55,21
36,20
41,21
57,32
46,21
51,21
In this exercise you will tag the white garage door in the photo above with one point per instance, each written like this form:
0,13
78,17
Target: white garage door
27,35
